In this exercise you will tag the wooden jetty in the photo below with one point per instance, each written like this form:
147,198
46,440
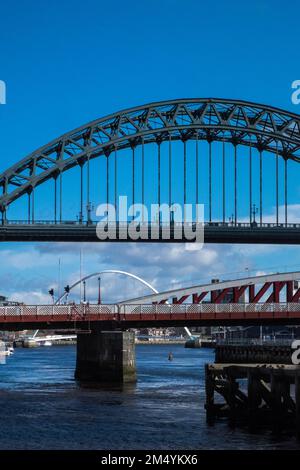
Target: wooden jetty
255,394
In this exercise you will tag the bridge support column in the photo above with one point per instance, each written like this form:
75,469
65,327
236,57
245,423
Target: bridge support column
106,356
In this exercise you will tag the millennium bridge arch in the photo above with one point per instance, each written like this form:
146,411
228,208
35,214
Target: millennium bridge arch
240,159
98,275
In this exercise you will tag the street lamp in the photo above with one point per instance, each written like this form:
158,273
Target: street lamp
99,290
84,291
254,212
67,291
51,293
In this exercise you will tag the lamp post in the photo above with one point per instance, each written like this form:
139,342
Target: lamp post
99,290
51,293
67,291
254,212
84,291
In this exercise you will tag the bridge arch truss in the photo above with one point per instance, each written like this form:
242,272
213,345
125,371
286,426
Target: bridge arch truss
217,122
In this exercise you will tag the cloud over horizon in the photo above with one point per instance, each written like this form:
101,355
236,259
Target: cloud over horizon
27,271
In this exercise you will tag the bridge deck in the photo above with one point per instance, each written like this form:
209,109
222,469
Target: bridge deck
133,315
214,232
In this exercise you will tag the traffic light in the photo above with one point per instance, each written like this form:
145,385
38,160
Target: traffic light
67,289
51,292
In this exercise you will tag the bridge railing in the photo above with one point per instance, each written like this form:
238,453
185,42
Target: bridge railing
206,308
70,310
123,225
201,311
274,341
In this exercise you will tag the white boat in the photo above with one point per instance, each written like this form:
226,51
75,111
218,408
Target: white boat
5,353
5,350
47,343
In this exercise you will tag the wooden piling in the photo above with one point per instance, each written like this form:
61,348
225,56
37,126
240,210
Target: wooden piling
297,402
267,399
210,391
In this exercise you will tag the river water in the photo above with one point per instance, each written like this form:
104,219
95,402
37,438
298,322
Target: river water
42,407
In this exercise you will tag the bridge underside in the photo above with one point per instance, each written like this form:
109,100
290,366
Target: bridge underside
125,325
212,234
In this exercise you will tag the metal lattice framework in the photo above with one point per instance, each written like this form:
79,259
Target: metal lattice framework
238,122
268,285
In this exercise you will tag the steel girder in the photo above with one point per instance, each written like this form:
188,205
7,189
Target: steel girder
238,122
238,286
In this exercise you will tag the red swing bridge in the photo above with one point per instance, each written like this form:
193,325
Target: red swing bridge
266,299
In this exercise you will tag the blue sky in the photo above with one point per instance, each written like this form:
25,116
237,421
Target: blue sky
66,63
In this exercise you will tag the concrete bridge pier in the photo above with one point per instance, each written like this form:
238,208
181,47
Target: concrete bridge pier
106,357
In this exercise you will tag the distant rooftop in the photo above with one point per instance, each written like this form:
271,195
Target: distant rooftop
4,301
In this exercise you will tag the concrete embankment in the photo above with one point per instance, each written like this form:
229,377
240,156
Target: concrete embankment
200,343
160,341
35,344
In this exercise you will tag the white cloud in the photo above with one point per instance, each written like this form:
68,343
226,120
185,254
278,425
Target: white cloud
260,273
30,297
27,272
293,215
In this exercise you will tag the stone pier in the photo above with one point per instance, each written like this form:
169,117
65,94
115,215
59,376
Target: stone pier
106,357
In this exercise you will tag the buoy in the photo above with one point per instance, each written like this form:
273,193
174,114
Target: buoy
170,357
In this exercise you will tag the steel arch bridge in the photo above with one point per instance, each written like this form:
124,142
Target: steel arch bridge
197,147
